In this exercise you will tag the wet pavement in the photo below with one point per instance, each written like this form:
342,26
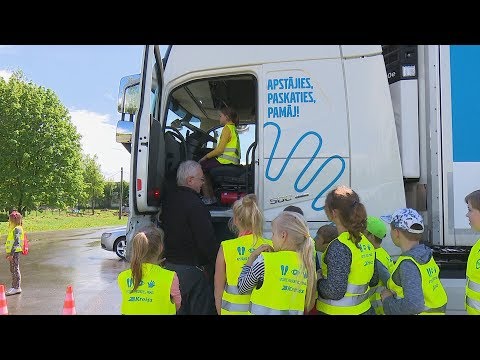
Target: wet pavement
61,258
74,257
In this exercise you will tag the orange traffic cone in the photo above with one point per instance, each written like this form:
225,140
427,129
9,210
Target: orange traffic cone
69,304
3,301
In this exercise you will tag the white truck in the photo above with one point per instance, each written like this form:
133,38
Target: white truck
394,122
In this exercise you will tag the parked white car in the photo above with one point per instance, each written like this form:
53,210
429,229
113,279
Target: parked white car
115,240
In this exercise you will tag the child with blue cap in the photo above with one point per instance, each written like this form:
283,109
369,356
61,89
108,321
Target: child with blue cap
414,287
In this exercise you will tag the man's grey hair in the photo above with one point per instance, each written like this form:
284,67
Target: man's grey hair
186,169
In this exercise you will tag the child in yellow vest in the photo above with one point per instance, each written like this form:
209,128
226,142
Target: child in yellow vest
227,151
376,231
281,279
247,222
414,287
147,288
348,264
472,289
324,236
13,248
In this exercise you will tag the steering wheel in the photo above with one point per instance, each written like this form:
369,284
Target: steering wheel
176,133
199,131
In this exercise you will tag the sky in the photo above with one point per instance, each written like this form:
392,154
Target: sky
86,79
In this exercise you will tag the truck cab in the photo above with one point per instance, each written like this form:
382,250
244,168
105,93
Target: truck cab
311,118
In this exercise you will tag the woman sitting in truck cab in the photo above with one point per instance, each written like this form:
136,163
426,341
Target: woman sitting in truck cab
226,152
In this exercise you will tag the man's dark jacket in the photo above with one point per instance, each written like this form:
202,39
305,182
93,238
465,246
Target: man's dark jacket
189,233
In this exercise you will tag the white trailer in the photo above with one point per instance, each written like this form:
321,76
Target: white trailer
311,117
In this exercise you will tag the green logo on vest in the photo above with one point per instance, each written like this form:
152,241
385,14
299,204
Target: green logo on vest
431,271
284,269
241,250
364,247
130,283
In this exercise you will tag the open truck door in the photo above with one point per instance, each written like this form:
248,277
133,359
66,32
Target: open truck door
140,96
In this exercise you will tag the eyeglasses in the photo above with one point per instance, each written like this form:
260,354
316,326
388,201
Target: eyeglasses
202,179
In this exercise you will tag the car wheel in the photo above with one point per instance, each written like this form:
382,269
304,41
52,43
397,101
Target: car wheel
120,246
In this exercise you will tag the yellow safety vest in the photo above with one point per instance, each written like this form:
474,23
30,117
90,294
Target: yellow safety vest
472,290
382,255
236,253
284,286
152,297
433,291
231,153
355,300
11,238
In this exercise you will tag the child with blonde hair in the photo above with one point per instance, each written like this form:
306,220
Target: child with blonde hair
472,289
247,222
147,288
13,247
281,279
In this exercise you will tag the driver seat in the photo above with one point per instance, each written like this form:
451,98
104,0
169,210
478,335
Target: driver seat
230,177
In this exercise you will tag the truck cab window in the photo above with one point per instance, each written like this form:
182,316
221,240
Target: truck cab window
192,127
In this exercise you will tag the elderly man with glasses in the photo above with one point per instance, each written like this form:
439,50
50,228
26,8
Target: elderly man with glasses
190,244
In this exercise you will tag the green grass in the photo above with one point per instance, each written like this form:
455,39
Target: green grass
55,220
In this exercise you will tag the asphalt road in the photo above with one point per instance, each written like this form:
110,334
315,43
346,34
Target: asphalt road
61,258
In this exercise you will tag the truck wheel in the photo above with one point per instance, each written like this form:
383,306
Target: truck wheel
120,246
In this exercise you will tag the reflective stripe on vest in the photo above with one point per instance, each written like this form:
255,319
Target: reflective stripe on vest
231,289
263,310
440,309
231,153
356,298
473,285
284,285
472,288
383,258
346,301
233,160
377,303
375,290
229,306
376,299
236,252
357,289
434,294
11,239
475,304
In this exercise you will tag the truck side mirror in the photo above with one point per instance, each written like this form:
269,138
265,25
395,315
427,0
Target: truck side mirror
129,94
124,132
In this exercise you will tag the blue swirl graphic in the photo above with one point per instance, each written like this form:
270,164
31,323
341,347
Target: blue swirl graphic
314,155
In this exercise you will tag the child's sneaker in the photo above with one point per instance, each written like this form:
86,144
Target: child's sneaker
13,291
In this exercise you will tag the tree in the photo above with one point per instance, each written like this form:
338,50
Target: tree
93,180
41,160
111,194
125,192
